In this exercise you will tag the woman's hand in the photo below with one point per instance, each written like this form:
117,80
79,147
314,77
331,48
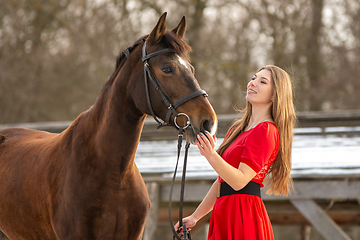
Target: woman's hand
190,222
206,144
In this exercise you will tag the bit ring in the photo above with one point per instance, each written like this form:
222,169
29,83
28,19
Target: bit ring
187,121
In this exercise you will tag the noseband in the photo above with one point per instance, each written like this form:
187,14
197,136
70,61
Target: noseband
149,74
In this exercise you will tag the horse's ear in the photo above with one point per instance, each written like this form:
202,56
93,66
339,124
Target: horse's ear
180,29
159,30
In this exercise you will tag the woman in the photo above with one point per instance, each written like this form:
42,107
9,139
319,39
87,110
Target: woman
255,146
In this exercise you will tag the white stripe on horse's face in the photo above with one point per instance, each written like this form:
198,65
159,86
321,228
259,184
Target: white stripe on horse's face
183,62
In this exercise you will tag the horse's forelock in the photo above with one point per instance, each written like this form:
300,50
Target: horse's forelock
177,45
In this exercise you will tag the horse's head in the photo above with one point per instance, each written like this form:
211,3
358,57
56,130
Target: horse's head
170,85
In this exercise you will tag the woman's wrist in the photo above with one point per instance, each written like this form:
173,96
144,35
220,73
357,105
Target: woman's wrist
195,217
213,156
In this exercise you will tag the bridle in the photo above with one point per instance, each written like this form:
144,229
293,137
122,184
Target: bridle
149,74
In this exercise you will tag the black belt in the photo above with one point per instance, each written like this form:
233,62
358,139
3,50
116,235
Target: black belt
251,188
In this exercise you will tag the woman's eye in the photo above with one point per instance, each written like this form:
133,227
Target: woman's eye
167,70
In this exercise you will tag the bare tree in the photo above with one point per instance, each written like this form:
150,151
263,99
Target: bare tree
314,56
55,55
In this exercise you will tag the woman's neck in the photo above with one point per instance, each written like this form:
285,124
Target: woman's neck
258,115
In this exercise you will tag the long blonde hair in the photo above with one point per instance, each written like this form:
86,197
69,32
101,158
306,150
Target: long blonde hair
283,114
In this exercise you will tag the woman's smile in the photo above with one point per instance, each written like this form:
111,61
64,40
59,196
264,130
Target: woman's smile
251,91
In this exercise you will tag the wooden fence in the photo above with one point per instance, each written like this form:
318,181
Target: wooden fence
320,120
324,202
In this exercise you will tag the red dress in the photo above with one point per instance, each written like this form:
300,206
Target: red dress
243,216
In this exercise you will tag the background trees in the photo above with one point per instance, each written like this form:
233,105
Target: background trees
56,55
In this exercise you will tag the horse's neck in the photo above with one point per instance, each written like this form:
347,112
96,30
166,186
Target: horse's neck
111,129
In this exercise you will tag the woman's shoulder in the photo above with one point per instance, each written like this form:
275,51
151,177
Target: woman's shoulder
267,127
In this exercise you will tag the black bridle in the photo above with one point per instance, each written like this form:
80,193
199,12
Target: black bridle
149,74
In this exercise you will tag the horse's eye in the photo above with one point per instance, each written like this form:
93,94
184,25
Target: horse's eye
167,70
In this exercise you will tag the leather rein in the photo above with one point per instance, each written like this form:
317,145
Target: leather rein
150,75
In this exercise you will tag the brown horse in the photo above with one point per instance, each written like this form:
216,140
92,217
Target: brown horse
83,182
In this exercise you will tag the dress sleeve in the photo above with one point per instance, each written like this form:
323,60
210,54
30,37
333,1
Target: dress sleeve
260,146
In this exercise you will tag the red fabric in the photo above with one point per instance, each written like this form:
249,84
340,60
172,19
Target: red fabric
243,216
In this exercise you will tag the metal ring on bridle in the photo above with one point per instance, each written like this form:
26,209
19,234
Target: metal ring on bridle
187,121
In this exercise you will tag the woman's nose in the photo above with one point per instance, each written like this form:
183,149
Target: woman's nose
251,83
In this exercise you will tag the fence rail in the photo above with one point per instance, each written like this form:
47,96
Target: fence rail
308,123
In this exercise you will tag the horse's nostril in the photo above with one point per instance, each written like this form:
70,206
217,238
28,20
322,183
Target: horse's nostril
205,125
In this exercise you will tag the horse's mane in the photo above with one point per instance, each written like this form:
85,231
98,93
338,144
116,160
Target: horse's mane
126,53
170,39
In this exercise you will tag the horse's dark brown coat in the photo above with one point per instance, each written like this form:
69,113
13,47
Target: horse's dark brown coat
83,182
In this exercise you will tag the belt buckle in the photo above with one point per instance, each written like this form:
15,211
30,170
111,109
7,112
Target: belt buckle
218,190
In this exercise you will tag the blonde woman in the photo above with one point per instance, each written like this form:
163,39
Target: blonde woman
256,146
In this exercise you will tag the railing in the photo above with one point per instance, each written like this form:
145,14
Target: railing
309,123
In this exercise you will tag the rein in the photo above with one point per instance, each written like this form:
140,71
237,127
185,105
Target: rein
186,235
149,74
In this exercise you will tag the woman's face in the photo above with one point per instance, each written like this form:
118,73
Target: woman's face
260,88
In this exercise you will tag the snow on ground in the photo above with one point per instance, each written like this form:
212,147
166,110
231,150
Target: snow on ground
313,155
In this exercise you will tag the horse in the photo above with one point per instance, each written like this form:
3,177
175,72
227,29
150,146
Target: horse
83,183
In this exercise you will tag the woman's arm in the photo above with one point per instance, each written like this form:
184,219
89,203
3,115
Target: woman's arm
237,178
